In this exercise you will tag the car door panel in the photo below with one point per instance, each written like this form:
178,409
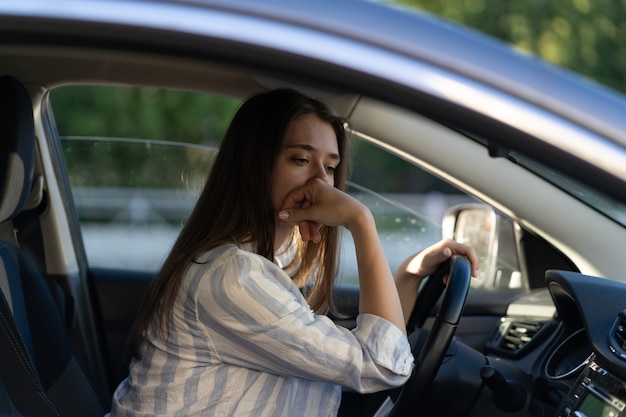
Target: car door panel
119,294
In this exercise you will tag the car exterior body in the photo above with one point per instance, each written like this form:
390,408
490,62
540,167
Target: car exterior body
539,152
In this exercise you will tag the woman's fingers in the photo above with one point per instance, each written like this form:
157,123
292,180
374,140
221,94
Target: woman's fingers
428,261
310,230
464,250
308,207
316,202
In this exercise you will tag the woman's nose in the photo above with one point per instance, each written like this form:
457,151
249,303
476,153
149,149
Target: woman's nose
322,173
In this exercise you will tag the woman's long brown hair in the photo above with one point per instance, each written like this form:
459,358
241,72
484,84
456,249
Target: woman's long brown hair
235,207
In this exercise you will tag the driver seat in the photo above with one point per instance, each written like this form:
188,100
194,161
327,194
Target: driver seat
41,375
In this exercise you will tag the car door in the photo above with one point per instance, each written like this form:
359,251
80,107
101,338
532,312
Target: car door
136,166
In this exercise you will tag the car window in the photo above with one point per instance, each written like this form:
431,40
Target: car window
407,202
136,167
132,196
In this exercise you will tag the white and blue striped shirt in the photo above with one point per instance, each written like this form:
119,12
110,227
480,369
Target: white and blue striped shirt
244,342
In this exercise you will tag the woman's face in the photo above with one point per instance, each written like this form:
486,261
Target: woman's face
310,151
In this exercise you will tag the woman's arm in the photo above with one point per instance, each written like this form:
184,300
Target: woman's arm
255,317
378,293
317,203
424,263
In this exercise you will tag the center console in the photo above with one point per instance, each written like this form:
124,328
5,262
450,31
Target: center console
596,393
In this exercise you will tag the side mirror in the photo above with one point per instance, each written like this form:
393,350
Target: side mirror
495,239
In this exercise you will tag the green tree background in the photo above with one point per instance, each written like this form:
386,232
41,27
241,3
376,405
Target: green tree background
585,36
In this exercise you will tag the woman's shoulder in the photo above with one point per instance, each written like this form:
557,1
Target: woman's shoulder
217,253
228,252
232,260
234,267
216,264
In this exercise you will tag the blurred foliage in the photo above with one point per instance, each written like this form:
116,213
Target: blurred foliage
382,172
136,163
146,113
585,36
152,115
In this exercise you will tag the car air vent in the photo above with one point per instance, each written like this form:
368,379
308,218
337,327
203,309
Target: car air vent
518,334
617,336
515,337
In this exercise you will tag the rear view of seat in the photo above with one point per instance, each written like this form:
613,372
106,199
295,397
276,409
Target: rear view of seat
40,374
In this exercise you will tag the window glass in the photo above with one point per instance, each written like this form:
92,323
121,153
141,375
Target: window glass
133,196
407,202
137,159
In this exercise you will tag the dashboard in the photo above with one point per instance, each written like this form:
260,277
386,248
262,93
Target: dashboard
597,393
597,307
571,342
556,351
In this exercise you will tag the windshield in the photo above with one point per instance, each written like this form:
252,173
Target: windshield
603,203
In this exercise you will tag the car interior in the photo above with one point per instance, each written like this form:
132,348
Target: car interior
531,340
33,324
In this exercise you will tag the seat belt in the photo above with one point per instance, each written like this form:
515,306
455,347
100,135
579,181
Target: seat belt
17,372
30,237
27,223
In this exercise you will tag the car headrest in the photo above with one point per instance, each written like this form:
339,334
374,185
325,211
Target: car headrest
17,146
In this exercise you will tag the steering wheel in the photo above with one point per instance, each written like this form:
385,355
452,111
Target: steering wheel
428,358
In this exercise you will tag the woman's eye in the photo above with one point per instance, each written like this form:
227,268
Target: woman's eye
301,161
331,169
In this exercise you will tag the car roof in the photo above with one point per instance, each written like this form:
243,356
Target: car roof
417,35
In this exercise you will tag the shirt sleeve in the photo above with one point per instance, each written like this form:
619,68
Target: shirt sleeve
255,317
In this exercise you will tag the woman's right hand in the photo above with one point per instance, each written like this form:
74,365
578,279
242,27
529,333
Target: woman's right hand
317,203
424,263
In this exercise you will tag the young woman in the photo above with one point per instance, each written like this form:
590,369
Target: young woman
234,323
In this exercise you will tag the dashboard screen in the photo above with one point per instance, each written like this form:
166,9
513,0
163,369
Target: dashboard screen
593,406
